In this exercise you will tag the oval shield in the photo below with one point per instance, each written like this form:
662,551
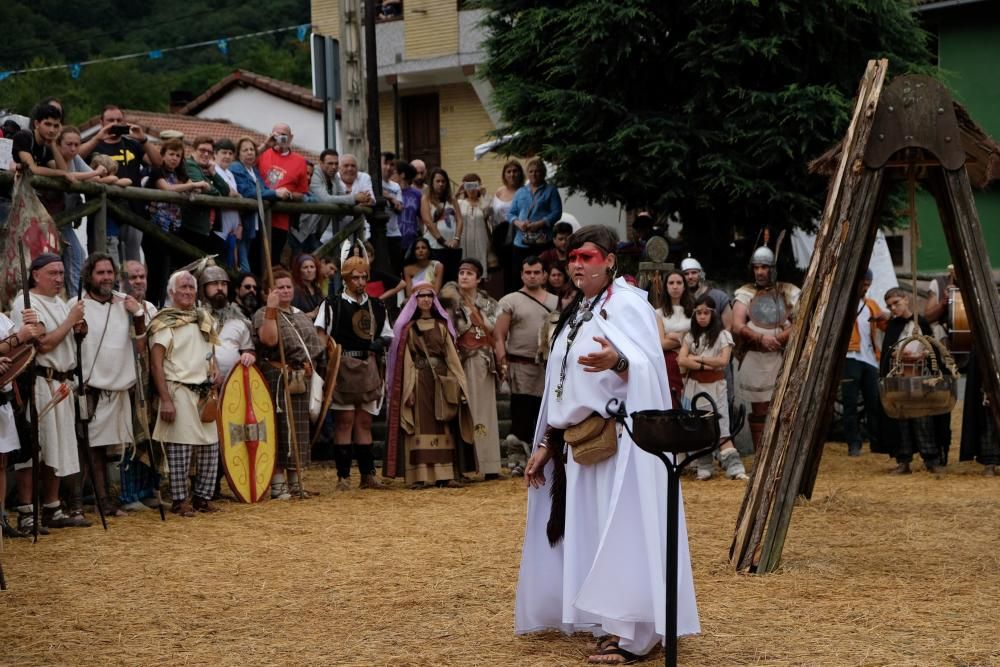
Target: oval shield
247,433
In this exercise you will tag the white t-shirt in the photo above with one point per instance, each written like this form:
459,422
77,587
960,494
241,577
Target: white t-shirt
867,353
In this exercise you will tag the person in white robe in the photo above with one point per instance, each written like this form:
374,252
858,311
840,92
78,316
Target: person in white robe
108,368
607,575
55,363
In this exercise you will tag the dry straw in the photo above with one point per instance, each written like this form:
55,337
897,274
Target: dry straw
877,570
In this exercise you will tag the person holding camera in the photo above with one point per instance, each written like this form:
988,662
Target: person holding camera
285,172
127,144
476,213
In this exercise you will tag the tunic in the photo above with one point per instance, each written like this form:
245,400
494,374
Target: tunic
57,429
527,317
717,390
475,348
8,430
301,345
109,366
607,575
185,362
759,370
234,338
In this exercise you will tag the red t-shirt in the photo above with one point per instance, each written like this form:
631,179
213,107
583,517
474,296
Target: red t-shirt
283,171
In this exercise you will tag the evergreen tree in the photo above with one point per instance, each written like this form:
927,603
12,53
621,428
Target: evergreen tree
705,108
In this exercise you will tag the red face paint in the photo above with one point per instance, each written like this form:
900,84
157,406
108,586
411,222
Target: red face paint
585,257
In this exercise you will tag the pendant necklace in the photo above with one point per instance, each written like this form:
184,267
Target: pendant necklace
584,313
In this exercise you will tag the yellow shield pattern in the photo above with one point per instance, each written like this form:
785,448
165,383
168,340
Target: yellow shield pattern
247,435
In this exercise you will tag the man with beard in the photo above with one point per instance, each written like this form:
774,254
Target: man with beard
762,321
235,343
248,294
139,479
54,364
107,374
516,345
359,325
694,277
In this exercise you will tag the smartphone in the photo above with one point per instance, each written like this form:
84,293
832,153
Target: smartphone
119,130
470,186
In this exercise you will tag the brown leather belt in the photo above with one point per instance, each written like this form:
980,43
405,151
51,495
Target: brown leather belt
706,376
514,359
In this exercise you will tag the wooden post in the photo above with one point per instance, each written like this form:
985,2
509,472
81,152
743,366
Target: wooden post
101,225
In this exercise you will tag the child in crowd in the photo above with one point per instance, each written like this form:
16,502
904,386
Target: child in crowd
705,352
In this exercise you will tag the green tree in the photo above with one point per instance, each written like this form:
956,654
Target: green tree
709,109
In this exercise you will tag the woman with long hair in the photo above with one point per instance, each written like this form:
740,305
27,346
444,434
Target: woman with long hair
512,176
595,537
443,223
474,314
705,353
558,283
418,267
674,321
308,295
429,420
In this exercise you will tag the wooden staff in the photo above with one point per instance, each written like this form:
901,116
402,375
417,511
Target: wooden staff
292,436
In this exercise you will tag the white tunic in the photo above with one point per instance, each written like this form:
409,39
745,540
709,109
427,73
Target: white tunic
109,365
8,431
234,335
608,573
185,362
57,429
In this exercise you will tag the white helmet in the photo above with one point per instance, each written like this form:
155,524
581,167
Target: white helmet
762,256
689,263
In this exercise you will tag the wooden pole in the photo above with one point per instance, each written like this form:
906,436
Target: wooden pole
101,224
804,388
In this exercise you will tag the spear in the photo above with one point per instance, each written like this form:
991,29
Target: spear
31,407
289,420
83,407
140,394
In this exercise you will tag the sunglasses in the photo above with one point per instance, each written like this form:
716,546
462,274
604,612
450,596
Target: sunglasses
425,295
249,288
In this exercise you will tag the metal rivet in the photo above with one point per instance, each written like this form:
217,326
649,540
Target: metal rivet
881,137
940,109
908,137
947,140
891,108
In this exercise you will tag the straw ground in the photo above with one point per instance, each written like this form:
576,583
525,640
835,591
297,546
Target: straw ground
877,570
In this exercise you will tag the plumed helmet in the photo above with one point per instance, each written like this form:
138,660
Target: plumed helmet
354,265
689,263
213,274
762,256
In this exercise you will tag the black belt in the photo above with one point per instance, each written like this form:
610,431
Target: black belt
53,374
357,354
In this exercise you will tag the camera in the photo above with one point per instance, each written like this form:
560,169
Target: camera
119,129
470,186
281,139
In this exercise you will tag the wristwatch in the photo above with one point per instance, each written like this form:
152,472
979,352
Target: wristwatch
622,364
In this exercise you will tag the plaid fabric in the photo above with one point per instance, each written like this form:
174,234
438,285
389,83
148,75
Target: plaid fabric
299,417
917,435
179,460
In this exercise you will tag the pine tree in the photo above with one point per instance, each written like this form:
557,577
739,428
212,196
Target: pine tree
705,108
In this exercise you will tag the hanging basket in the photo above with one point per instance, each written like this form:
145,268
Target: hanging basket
919,389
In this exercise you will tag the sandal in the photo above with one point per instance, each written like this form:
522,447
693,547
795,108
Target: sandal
627,657
606,641
183,508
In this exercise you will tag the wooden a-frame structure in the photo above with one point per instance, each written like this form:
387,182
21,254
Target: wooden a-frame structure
909,126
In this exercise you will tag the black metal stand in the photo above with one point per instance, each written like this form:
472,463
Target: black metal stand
664,434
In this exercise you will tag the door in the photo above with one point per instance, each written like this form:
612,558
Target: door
422,129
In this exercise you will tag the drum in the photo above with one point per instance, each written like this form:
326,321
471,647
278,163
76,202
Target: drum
958,322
